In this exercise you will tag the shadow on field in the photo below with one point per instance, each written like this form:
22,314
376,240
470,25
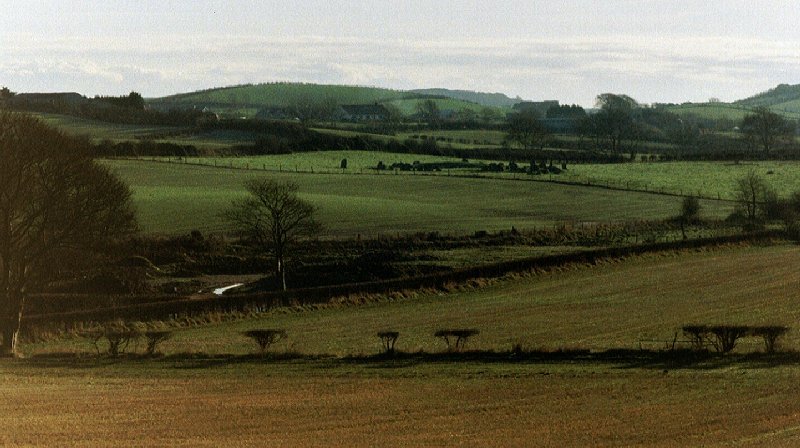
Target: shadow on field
619,358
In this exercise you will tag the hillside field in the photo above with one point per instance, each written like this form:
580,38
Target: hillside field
174,198
202,394
706,179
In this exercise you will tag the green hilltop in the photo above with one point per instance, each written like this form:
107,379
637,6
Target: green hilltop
246,100
783,99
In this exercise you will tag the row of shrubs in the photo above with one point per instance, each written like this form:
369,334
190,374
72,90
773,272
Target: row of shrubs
724,337
119,336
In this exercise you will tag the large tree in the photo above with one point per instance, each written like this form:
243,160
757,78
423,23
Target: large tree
274,218
765,128
56,204
614,122
526,129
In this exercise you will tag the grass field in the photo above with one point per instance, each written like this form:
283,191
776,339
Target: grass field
173,198
708,179
215,400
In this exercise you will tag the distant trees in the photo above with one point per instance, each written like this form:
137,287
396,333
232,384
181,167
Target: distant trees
274,218
765,128
428,111
572,111
132,101
56,205
526,129
5,93
308,109
614,123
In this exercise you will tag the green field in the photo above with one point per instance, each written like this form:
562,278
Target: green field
203,394
707,179
174,198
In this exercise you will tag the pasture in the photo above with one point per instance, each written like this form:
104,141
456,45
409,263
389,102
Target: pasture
174,198
706,179
202,394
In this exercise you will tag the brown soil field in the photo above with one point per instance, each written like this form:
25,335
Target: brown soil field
465,405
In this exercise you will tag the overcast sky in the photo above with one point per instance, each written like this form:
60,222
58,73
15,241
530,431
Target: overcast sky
654,51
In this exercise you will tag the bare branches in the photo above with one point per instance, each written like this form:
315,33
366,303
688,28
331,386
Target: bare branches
54,200
274,218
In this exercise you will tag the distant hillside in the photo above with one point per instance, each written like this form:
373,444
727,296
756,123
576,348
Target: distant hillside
784,98
246,100
484,99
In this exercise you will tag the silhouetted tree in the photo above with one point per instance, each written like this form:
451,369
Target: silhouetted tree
56,203
765,128
614,123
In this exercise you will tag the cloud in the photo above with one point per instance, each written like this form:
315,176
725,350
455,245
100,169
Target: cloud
569,69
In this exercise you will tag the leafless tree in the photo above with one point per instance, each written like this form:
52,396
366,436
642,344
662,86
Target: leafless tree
274,218
56,203
765,128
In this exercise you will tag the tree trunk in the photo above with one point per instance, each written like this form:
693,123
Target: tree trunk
280,273
11,325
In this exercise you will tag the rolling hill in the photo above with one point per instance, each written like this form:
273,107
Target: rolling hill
246,100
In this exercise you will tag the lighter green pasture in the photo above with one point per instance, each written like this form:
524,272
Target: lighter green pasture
707,179
318,161
713,111
173,198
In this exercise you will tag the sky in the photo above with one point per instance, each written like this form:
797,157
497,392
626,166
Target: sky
569,50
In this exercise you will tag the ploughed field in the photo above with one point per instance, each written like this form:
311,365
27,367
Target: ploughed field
203,393
175,199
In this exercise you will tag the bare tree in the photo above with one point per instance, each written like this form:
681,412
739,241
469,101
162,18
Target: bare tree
765,128
615,122
751,193
55,203
274,218
689,213
527,129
